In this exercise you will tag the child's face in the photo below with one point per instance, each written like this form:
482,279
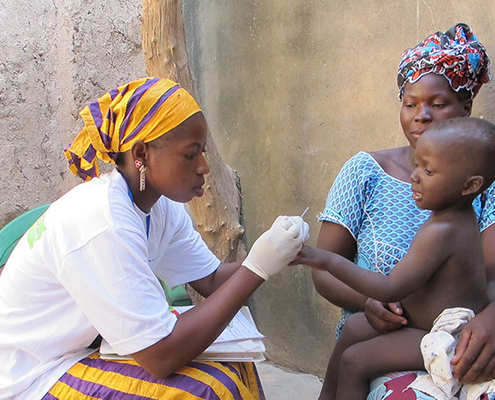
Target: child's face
440,175
428,101
176,164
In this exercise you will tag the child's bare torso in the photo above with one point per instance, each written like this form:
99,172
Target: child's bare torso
460,281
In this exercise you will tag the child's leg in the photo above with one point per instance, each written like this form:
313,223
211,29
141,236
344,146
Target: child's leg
356,329
394,351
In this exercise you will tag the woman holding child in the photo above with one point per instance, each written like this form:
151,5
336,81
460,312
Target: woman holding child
372,220
88,268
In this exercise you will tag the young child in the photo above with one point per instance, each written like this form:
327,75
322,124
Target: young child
444,267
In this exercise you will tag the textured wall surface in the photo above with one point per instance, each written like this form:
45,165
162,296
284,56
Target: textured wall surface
290,89
55,57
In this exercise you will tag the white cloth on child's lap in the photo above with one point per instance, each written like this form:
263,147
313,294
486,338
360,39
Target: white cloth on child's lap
438,348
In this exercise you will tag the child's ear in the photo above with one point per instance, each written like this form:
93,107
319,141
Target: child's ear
473,185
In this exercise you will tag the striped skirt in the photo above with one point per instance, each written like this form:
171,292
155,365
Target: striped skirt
93,378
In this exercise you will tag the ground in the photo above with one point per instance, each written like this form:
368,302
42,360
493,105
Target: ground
282,384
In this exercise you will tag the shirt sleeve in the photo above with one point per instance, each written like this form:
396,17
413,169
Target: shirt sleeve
484,205
347,197
188,257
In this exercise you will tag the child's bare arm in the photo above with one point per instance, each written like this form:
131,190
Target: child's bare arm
429,250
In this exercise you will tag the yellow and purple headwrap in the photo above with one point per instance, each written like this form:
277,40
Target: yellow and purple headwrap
140,110
456,54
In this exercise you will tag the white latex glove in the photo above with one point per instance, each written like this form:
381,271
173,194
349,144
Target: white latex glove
277,247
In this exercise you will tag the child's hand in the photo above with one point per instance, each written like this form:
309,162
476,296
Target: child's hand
384,317
309,256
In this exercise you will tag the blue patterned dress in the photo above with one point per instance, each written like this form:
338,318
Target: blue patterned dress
381,215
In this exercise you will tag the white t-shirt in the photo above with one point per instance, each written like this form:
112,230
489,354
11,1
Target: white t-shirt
87,268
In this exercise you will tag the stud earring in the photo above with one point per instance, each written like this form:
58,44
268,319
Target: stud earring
142,174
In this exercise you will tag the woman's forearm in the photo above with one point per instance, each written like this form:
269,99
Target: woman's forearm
208,285
196,329
337,292
337,239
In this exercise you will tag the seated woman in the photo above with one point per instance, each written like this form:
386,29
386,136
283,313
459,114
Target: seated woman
371,218
89,266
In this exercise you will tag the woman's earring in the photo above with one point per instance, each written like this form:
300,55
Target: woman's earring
142,174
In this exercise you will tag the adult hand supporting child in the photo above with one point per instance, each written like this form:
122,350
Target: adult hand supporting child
277,247
474,358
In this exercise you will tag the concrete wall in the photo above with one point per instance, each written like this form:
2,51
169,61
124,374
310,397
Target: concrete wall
291,89
55,57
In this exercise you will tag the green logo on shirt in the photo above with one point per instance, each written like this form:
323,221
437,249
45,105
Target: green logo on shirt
34,233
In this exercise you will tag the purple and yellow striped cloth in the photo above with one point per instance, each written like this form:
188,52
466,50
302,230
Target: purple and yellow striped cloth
144,109
95,379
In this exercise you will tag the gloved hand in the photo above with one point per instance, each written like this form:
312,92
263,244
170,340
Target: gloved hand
277,247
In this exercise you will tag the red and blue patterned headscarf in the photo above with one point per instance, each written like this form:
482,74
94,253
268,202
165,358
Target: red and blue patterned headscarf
456,54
